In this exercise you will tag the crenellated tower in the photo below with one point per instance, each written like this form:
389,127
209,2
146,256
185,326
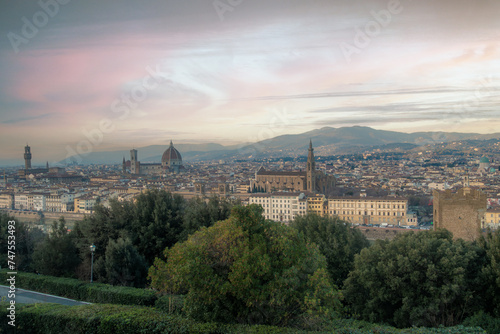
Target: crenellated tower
27,157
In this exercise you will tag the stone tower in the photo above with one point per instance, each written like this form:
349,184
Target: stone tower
460,213
311,168
27,157
124,166
134,164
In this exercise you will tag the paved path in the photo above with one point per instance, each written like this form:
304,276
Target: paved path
32,297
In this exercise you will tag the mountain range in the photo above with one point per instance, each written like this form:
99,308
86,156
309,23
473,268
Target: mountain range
326,141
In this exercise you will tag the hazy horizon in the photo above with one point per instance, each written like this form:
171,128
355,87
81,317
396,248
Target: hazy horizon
115,75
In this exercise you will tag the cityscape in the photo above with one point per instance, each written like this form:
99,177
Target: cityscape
374,188
233,166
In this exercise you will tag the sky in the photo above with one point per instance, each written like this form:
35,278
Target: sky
83,76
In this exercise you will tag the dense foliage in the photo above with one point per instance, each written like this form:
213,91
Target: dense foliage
249,270
423,279
57,255
491,244
124,265
337,240
138,232
24,244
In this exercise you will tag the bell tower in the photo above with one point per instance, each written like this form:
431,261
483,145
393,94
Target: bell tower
27,157
134,164
311,168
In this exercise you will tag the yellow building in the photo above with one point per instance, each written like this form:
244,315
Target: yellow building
492,218
317,204
370,210
85,204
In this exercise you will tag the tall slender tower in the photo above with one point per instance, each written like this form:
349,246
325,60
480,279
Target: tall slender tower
124,166
134,164
27,157
311,168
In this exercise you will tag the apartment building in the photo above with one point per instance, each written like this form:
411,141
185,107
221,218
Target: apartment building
317,204
85,204
369,210
492,218
6,201
282,207
23,201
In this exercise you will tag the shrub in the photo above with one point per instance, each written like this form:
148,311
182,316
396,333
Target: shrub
124,319
490,324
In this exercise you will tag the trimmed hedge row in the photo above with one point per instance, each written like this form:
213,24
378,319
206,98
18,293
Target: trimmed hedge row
75,289
106,318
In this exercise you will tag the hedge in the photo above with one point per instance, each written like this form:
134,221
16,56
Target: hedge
89,292
106,318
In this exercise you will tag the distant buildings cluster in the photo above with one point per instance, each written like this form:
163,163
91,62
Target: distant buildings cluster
284,188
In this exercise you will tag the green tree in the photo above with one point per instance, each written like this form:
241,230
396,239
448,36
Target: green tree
24,245
249,270
422,279
104,224
337,240
200,213
157,222
57,255
124,265
491,271
152,223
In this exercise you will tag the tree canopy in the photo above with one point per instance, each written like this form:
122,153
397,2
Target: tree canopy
491,271
422,279
25,241
337,240
249,270
124,265
57,255
155,221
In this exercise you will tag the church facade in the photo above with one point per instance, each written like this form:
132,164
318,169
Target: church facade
309,180
171,162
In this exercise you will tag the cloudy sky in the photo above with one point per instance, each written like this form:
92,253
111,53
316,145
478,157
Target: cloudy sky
78,76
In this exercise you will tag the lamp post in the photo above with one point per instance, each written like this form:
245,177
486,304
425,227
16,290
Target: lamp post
92,250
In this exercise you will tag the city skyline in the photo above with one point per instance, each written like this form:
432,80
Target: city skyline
238,71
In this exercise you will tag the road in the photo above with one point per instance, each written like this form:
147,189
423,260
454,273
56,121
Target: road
32,297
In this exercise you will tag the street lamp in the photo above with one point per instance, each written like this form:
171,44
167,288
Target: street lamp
92,250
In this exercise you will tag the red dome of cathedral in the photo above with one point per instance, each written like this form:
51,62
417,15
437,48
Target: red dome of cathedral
171,155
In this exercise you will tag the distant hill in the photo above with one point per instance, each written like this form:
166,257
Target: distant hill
326,141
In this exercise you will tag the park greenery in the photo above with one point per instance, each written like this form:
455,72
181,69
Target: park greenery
336,240
213,261
248,270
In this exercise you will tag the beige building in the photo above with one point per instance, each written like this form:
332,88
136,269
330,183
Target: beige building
59,202
370,210
281,207
460,213
6,201
23,201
